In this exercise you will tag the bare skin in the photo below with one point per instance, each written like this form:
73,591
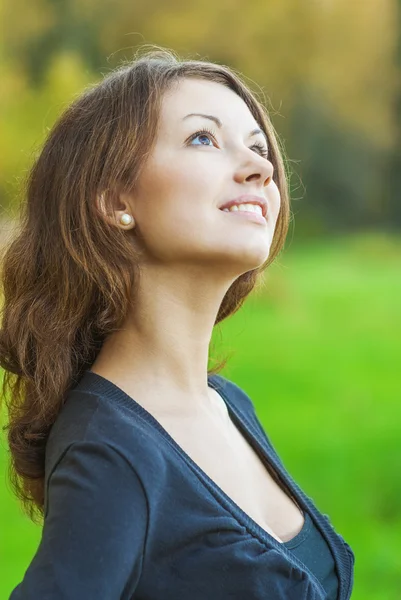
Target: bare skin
191,254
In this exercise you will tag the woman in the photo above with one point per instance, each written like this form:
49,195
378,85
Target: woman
157,202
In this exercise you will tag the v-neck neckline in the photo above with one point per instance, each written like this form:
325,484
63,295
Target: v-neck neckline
258,444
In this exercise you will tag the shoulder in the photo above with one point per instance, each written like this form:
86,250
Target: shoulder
95,428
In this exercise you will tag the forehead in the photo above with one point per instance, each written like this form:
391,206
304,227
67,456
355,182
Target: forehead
202,96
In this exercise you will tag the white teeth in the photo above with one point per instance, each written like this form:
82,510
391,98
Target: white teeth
248,207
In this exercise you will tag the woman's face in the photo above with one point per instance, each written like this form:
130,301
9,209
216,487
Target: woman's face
184,181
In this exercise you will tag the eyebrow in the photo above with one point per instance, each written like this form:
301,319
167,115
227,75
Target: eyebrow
220,124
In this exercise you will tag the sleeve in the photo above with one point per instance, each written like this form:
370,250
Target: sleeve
94,530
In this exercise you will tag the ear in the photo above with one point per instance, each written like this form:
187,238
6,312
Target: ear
112,206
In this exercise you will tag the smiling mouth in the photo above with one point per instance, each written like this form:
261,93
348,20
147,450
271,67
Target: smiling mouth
251,215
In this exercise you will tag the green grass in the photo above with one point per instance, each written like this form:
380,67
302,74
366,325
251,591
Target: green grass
318,350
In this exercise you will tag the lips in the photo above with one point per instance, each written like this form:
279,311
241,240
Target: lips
247,199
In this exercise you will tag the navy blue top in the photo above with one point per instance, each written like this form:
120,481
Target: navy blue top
311,548
129,515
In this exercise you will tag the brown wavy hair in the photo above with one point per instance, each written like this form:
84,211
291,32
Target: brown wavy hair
67,274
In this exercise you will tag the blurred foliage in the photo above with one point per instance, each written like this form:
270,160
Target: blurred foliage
328,70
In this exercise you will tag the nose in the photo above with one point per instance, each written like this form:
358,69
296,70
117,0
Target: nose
255,168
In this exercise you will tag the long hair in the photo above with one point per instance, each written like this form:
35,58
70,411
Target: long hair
67,275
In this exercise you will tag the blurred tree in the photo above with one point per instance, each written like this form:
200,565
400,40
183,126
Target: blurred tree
347,119
36,33
330,64
392,188
26,114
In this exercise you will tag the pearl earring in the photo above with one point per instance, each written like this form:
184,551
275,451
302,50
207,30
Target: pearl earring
126,219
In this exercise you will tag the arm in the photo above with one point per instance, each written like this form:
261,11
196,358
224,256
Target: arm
94,530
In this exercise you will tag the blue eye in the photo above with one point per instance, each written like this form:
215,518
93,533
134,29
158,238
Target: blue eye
262,150
202,132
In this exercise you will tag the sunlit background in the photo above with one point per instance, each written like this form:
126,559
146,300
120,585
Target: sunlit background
317,347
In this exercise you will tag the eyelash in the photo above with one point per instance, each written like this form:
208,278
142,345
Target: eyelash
259,146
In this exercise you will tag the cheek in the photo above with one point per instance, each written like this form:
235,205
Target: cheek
274,200
176,212
182,188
